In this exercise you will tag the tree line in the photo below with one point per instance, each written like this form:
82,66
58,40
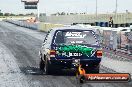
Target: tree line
12,14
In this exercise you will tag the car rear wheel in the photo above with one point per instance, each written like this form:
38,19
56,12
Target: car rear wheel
92,70
41,65
48,68
96,71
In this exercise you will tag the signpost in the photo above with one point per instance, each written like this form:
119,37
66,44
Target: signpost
30,0
31,4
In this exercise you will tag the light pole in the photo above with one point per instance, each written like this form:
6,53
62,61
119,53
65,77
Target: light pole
96,9
116,6
38,12
116,10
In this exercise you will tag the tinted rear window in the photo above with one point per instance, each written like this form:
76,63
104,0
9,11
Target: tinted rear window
75,37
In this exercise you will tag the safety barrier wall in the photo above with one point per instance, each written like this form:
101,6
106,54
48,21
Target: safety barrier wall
33,26
47,26
41,26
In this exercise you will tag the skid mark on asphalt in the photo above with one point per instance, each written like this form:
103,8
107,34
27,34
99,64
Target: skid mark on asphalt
36,71
31,71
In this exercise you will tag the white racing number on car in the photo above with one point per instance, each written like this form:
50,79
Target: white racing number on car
75,54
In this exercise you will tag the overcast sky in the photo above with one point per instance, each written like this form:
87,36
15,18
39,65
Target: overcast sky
53,6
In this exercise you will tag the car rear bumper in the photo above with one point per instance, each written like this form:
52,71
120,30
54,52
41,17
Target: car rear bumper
69,63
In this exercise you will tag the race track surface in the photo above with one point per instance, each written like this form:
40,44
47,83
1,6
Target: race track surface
19,61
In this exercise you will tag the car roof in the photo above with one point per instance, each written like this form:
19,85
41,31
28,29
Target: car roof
72,28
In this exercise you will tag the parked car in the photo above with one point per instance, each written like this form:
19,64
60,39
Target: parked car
66,47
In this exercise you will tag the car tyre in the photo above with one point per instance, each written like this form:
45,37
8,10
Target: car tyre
41,65
48,68
87,70
96,71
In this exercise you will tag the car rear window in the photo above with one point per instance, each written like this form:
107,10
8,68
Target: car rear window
76,37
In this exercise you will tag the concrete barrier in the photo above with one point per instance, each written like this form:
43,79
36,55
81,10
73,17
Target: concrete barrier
33,26
47,26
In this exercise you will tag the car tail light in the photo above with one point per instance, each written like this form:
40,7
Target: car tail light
52,53
99,53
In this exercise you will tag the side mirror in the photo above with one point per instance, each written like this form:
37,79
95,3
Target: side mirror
48,31
45,40
43,43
